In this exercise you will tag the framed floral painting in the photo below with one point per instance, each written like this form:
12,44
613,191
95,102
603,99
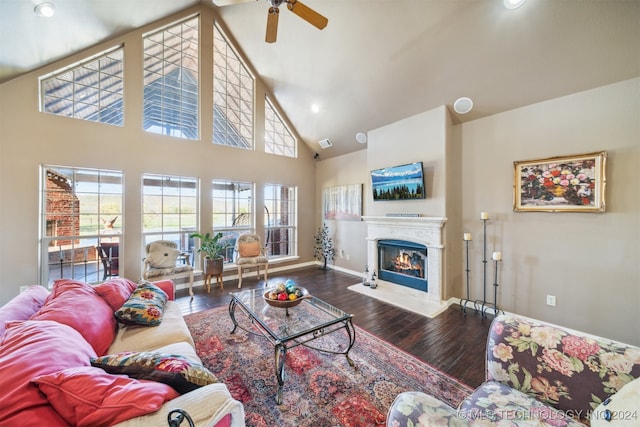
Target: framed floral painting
561,184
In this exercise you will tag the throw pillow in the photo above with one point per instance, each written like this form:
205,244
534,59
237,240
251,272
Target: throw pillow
249,249
31,348
78,305
161,256
621,409
116,291
23,306
175,370
88,396
145,306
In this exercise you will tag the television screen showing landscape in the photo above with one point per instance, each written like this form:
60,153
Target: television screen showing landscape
398,182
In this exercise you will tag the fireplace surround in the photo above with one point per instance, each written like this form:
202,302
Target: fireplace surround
421,231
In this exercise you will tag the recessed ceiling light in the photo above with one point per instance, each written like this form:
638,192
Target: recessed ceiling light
463,105
45,9
513,4
315,108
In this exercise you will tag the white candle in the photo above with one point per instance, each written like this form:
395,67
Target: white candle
467,236
497,256
484,215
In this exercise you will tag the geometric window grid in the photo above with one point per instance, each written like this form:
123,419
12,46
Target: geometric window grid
81,209
232,209
171,80
233,96
89,90
278,139
169,209
280,219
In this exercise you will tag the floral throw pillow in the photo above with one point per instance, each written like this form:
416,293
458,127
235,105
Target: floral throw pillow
145,306
174,370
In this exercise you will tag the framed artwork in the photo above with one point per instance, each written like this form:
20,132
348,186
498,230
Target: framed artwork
343,202
561,184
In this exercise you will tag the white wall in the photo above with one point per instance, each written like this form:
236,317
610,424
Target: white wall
29,138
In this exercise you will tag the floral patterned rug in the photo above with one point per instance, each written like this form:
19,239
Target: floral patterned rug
320,389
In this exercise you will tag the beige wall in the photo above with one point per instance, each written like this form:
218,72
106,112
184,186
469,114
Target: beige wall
29,138
590,262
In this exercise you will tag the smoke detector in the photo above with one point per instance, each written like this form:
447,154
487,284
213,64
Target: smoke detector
325,143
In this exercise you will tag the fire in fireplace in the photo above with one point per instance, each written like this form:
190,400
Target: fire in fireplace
403,263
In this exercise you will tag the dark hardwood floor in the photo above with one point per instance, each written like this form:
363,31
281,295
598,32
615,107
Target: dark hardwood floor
452,342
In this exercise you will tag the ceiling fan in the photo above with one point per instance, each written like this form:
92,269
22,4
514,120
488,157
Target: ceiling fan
295,6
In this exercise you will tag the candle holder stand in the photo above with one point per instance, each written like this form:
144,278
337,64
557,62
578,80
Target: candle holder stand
464,302
481,303
494,304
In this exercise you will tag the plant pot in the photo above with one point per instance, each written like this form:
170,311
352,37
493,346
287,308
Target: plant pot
213,266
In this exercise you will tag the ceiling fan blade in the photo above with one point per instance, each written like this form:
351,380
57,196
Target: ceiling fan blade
308,14
272,25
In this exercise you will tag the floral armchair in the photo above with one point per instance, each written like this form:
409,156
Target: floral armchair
537,374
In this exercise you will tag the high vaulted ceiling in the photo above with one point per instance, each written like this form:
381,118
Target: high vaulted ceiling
377,61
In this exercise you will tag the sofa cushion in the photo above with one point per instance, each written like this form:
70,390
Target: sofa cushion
24,305
78,305
175,370
145,306
88,396
621,409
496,403
116,291
173,329
29,349
161,256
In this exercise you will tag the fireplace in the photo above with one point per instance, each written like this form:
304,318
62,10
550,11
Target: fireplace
421,238
403,262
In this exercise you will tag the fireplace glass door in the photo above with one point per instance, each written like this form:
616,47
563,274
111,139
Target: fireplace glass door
403,263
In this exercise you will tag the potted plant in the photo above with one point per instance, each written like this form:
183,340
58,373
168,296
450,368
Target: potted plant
213,249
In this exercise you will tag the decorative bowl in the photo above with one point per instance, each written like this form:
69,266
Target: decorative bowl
285,303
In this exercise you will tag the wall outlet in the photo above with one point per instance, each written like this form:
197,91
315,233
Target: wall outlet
341,253
551,300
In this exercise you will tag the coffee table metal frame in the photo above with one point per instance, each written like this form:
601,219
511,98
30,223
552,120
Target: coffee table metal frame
324,319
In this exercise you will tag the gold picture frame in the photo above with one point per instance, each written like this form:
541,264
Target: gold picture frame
561,184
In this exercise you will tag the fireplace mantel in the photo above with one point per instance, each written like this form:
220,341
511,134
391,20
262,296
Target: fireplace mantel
427,231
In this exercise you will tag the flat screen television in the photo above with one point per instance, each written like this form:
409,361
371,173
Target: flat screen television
404,182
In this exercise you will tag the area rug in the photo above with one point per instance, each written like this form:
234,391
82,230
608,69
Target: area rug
320,389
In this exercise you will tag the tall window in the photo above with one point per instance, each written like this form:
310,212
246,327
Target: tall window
232,96
81,210
89,90
232,211
169,209
278,139
280,219
171,80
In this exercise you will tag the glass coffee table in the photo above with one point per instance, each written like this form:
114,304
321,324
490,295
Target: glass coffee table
286,328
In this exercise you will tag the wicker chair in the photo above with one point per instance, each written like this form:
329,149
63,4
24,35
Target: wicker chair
161,263
251,253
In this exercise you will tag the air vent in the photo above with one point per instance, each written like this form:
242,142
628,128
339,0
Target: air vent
325,143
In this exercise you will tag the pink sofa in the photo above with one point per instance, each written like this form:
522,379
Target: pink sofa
49,338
